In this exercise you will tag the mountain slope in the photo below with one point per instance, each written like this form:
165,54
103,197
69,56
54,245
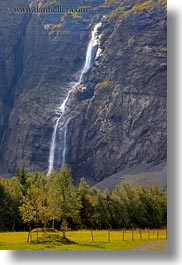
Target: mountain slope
123,123
119,121
144,175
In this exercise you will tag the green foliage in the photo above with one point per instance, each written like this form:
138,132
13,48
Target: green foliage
21,175
28,211
63,197
147,5
164,4
4,201
10,197
142,6
105,83
37,200
34,203
76,15
135,7
87,202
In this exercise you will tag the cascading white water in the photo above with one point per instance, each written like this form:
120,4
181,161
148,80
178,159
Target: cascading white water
61,110
94,41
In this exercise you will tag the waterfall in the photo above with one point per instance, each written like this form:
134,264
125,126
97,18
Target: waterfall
94,42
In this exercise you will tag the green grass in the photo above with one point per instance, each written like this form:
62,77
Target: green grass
17,241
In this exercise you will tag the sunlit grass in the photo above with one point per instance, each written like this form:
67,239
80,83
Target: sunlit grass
17,240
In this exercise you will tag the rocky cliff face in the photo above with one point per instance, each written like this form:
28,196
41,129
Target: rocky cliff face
119,121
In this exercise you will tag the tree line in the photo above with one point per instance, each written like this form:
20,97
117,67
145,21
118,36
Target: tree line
32,199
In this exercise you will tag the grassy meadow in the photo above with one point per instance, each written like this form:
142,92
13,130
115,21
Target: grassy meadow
102,240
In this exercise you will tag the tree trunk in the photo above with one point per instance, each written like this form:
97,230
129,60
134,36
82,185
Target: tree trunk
64,233
64,226
28,238
52,223
109,237
92,235
140,234
14,221
123,235
37,234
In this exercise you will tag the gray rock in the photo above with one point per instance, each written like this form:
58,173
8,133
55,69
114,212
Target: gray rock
118,122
